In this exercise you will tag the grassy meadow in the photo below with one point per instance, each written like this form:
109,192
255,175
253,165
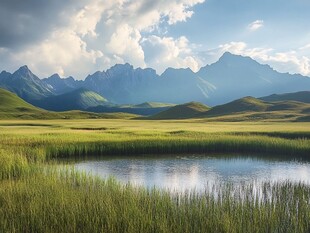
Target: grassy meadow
38,197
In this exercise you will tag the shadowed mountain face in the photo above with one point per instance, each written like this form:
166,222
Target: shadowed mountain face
230,78
60,86
123,84
25,84
79,99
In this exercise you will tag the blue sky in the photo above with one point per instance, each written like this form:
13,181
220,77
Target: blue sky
286,22
78,37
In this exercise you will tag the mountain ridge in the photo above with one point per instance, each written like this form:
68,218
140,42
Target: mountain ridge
230,78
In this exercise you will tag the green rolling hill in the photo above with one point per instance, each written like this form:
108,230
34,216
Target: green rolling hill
244,109
252,109
144,109
302,96
153,105
13,107
183,111
246,104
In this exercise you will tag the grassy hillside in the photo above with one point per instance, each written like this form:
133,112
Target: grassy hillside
302,96
13,107
251,109
245,109
241,105
80,99
153,105
182,111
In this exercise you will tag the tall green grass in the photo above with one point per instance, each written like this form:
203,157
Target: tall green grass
73,202
12,165
211,144
80,144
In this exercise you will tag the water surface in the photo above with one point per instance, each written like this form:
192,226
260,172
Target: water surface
191,172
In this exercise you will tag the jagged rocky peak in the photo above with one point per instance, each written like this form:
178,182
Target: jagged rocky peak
229,58
54,77
120,68
23,70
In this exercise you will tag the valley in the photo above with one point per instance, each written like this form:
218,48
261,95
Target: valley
152,116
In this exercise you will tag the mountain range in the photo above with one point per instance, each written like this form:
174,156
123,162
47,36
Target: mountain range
230,78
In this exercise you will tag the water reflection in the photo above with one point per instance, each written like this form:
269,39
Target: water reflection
197,173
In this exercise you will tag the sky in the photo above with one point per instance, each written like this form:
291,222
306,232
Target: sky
78,37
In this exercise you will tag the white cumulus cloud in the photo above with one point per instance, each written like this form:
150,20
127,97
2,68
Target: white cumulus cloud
99,33
167,51
257,24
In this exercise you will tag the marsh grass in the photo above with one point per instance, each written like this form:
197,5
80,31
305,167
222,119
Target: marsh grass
73,202
211,144
37,197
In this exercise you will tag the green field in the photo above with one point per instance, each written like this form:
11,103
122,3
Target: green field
37,197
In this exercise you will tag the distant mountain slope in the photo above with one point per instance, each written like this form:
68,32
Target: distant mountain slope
302,96
182,111
25,84
80,99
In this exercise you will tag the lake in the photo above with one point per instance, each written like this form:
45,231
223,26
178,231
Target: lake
180,173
